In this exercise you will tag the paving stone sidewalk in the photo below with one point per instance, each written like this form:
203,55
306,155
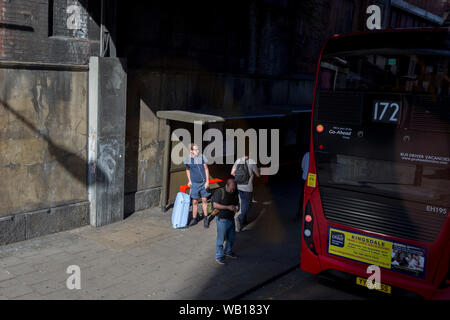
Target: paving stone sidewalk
143,257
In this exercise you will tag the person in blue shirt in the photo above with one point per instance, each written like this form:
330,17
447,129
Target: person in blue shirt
305,168
198,180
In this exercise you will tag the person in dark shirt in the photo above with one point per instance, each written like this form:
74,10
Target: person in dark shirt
226,200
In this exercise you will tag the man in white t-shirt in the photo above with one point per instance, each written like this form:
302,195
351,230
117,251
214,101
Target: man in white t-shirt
245,190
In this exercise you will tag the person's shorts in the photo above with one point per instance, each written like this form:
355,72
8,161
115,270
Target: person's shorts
198,191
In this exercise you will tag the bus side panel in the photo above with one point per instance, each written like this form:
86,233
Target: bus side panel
441,253
309,262
442,294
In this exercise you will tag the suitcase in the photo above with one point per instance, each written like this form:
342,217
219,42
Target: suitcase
180,213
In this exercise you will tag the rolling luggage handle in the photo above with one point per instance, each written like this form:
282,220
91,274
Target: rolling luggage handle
185,187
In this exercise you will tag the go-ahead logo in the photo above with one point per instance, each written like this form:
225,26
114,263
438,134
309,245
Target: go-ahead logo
337,239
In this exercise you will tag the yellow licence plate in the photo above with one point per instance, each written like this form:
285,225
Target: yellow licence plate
384,287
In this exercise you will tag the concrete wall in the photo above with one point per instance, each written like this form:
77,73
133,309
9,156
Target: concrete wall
143,148
107,112
43,143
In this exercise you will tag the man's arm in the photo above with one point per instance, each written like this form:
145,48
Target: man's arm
222,207
233,170
188,173
256,170
207,176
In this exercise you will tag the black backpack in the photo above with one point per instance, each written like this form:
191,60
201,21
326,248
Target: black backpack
242,176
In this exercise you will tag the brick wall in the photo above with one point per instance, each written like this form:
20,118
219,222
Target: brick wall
58,26
36,31
2,30
268,37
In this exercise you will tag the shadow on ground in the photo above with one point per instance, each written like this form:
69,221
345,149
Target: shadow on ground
269,247
143,257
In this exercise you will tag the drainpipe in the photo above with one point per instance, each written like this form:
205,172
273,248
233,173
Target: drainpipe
166,161
102,27
108,17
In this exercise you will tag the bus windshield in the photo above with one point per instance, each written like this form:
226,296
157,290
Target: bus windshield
391,72
387,124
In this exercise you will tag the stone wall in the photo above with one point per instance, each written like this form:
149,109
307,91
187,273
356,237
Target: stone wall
43,143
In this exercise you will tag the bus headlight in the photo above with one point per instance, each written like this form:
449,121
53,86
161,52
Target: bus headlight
319,128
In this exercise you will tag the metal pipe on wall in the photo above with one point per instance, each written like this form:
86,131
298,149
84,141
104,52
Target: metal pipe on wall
166,168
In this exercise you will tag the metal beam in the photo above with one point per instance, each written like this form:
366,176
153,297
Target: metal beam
405,6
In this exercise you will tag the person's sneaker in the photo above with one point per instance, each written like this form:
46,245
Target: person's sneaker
220,260
193,222
231,255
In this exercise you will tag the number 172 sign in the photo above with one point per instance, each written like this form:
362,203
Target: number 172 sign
386,111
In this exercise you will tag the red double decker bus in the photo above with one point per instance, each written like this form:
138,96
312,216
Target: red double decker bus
378,185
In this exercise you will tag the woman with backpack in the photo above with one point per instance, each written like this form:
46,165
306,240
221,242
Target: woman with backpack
244,169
